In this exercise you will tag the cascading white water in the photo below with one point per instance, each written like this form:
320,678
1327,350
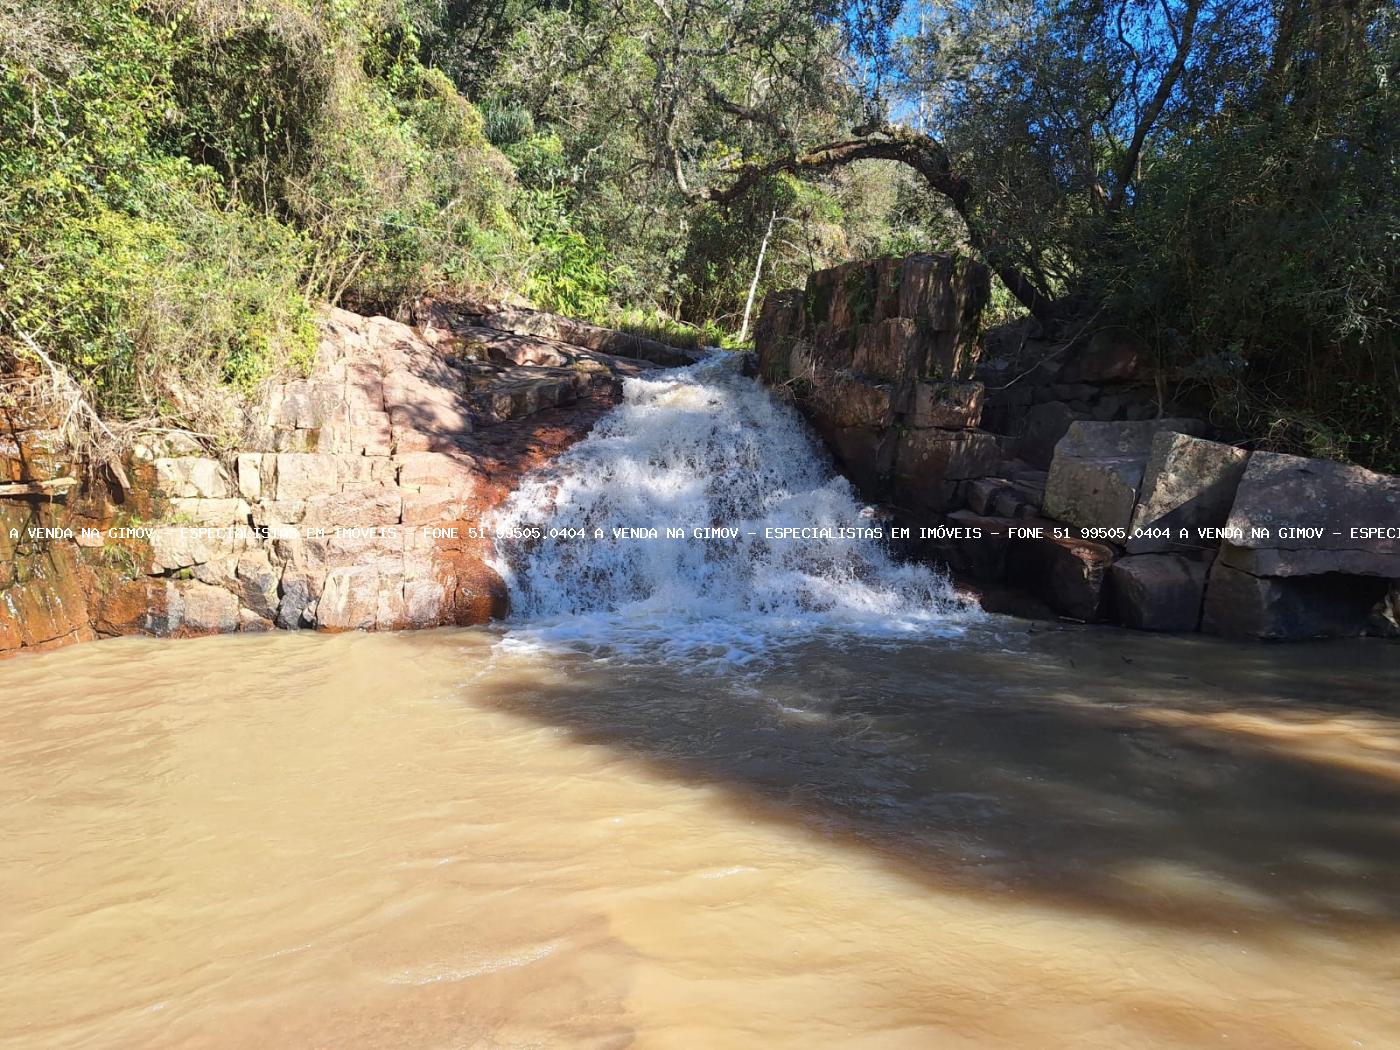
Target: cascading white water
696,449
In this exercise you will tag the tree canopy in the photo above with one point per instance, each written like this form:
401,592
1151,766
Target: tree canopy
1217,175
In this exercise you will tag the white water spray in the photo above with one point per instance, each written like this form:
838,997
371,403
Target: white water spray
710,454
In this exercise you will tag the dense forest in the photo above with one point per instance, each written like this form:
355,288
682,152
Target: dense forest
183,182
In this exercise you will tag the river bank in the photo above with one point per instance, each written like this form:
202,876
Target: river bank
352,502
1082,476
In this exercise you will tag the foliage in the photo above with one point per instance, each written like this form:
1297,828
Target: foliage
569,274
183,180
1220,175
604,103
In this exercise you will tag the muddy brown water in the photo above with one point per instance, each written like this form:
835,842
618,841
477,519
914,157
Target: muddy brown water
1016,838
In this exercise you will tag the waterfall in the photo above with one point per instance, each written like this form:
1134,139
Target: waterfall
713,455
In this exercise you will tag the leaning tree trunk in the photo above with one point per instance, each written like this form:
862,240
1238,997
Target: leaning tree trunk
757,272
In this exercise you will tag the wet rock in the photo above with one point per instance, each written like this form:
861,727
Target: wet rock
866,454
1241,605
1384,621
1069,574
1327,505
977,544
43,605
33,455
1159,592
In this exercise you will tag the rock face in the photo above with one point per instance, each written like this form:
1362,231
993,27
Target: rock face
879,355
553,339
1241,605
1068,574
353,505
1043,466
1159,592
1189,483
1099,466
42,604
1307,517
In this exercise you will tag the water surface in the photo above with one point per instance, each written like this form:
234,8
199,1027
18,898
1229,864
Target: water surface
1019,837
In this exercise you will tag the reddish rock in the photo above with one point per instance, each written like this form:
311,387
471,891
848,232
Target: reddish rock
123,606
850,402
321,461
894,350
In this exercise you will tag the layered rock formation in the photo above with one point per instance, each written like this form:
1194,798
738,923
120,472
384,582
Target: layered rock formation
354,503
1049,470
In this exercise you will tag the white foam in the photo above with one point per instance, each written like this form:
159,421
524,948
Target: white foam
704,447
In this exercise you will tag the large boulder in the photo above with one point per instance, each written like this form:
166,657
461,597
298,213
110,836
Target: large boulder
1159,592
1189,484
975,544
1094,493
1098,467
1295,516
1090,439
1241,605
1069,574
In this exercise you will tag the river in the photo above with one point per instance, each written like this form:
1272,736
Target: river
702,795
